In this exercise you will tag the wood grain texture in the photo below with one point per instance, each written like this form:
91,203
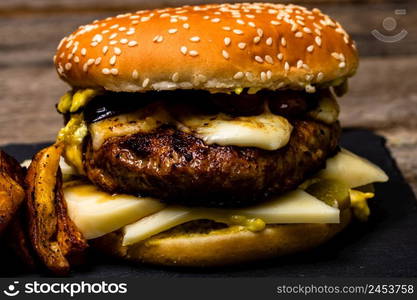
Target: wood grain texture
382,96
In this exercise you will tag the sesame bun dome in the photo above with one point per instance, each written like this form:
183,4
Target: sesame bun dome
210,47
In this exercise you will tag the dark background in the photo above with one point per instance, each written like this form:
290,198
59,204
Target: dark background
382,96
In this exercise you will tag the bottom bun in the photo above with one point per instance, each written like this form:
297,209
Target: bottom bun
193,245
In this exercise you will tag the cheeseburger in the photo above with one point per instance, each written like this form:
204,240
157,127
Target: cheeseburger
208,135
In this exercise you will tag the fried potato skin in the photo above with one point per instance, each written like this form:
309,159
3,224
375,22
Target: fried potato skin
12,192
52,233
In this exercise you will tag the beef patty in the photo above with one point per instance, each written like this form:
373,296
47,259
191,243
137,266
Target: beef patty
178,167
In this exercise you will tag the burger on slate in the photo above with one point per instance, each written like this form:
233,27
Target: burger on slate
208,135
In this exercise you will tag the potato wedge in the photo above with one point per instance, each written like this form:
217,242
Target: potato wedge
12,192
52,233
16,238
70,239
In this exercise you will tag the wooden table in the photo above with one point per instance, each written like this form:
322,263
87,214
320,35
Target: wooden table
382,96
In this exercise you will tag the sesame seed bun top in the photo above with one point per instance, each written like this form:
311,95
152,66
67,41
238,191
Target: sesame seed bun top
210,47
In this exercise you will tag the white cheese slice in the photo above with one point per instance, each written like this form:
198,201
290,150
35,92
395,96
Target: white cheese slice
351,169
97,213
266,131
293,207
142,120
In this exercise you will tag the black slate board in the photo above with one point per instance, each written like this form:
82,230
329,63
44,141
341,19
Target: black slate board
385,246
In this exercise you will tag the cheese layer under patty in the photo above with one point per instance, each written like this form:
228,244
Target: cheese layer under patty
97,213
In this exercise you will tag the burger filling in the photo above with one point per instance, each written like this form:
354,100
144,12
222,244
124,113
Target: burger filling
154,160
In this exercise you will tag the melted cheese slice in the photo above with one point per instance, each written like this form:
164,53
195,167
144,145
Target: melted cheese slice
294,207
266,131
351,169
96,213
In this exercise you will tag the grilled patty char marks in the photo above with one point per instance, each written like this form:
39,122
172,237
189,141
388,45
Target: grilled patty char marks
180,168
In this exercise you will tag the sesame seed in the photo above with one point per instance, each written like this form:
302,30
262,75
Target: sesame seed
307,30
269,74
112,60
241,45
294,27
135,74
342,65
144,19
105,71
280,56
263,76
320,76
172,30
145,82
260,32
310,48
158,39
114,26
299,64
135,22
273,22
300,22
175,77
195,39
69,57
335,55
237,31
130,32
215,20
256,39
193,52
318,40
69,44
283,41
132,43
269,41
227,28
346,39
105,49
124,41
239,75
97,61
251,24
225,54
186,25
298,34
98,38
114,71
113,42
227,41
269,59
68,66
85,67
117,51
91,61
259,59
122,28
183,50
249,76
317,31
286,66
241,22
93,44
76,59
